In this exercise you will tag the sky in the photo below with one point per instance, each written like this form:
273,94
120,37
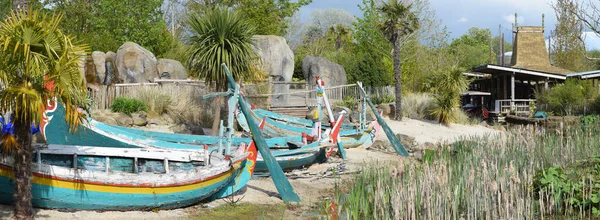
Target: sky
460,15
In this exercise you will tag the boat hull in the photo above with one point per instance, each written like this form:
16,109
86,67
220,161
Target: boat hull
290,162
59,193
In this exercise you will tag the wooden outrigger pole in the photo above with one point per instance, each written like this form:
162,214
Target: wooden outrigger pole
285,189
388,132
336,139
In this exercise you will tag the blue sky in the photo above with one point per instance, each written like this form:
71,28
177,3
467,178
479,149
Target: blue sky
460,15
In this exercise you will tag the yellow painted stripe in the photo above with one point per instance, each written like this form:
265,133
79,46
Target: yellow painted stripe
119,189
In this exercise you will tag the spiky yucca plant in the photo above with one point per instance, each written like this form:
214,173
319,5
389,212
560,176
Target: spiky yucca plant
221,35
450,84
38,63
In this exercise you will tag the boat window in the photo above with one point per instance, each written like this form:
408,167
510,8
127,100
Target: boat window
180,166
150,166
93,163
58,160
121,164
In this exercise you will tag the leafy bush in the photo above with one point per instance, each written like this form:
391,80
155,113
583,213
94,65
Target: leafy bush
383,99
576,187
348,102
570,98
127,106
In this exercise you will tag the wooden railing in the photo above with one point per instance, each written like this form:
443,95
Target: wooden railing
518,106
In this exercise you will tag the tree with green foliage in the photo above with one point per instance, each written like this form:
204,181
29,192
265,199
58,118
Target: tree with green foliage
398,22
269,17
5,7
567,49
107,24
38,63
338,34
221,35
473,48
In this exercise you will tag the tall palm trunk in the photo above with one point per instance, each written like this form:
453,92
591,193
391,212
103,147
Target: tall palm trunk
397,79
22,171
22,155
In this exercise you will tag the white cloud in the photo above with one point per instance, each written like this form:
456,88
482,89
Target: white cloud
511,18
463,20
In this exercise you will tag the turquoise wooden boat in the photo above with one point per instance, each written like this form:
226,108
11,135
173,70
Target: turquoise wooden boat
103,178
349,138
290,152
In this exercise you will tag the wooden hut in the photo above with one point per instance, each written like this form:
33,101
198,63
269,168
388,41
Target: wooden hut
513,87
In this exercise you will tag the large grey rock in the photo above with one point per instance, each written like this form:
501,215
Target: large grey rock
332,73
277,61
99,59
136,64
171,69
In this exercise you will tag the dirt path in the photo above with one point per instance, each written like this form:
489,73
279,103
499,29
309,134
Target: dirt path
311,190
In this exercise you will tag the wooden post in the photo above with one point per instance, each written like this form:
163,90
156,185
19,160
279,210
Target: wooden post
546,84
512,91
285,189
269,91
505,84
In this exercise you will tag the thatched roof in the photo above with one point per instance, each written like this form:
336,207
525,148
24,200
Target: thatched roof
529,51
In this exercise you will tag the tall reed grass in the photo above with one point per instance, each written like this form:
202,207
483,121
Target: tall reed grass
474,178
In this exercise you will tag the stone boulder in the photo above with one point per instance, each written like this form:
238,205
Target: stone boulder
187,129
139,119
277,61
135,64
333,73
123,120
99,59
171,69
111,55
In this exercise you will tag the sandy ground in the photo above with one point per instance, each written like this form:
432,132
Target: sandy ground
311,190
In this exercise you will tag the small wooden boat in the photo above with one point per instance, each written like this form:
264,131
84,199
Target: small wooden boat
349,138
103,178
289,152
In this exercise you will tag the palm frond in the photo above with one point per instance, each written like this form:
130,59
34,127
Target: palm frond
36,54
220,36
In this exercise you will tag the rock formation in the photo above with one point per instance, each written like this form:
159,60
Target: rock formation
136,64
277,61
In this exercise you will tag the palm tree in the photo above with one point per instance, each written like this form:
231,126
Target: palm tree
338,33
398,22
38,63
221,35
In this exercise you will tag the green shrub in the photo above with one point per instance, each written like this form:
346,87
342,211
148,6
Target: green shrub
127,106
383,99
570,98
348,102
451,83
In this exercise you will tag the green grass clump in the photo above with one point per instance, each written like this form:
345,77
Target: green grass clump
128,106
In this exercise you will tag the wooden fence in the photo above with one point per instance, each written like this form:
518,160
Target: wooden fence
265,94
105,95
